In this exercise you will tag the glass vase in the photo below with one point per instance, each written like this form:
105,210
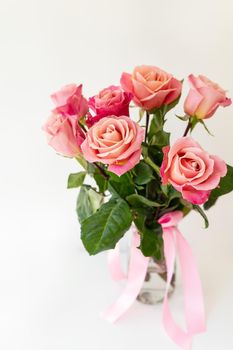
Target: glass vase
154,286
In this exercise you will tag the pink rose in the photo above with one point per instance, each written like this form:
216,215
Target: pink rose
64,134
204,97
115,141
110,101
70,101
151,87
191,170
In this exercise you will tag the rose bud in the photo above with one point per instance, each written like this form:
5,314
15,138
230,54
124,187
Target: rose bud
204,97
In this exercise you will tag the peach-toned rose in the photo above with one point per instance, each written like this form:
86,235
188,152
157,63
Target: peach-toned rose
204,97
64,134
110,101
191,170
151,87
115,141
70,101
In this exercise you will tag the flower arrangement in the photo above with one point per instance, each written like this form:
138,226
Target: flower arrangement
140,177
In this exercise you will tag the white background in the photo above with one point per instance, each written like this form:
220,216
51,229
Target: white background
51,292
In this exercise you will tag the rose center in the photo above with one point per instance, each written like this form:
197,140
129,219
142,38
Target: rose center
195,165
111,133
191,164
150,76
104,95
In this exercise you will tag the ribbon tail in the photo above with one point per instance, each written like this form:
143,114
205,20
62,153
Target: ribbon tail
174,331
136,276
114,264
193,299
193,295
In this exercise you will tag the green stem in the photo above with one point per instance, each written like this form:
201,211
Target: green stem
153,165
81,161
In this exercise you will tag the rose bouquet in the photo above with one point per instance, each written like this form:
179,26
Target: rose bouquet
140,179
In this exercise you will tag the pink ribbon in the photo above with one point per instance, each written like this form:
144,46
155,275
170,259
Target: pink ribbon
136,276
193,298
174,243
114,264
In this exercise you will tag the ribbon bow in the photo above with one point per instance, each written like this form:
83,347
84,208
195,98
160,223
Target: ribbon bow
174,243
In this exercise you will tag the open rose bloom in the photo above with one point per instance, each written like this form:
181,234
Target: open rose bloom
151,87
115,141
191,170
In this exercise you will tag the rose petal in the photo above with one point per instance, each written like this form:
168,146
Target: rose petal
60,97
127,165
195,197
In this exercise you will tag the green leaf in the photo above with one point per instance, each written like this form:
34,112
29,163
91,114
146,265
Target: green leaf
144,173
185,203
156,124
184,118
161,138
76,180
114,177
82,161
151,237
225,186
88,202
91,168
165,189
156,154
135,200
106,227
205,126
200,211
121,186
101,182
157,136
167,108
139,187
172,193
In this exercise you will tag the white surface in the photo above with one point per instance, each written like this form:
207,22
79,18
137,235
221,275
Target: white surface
51,292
